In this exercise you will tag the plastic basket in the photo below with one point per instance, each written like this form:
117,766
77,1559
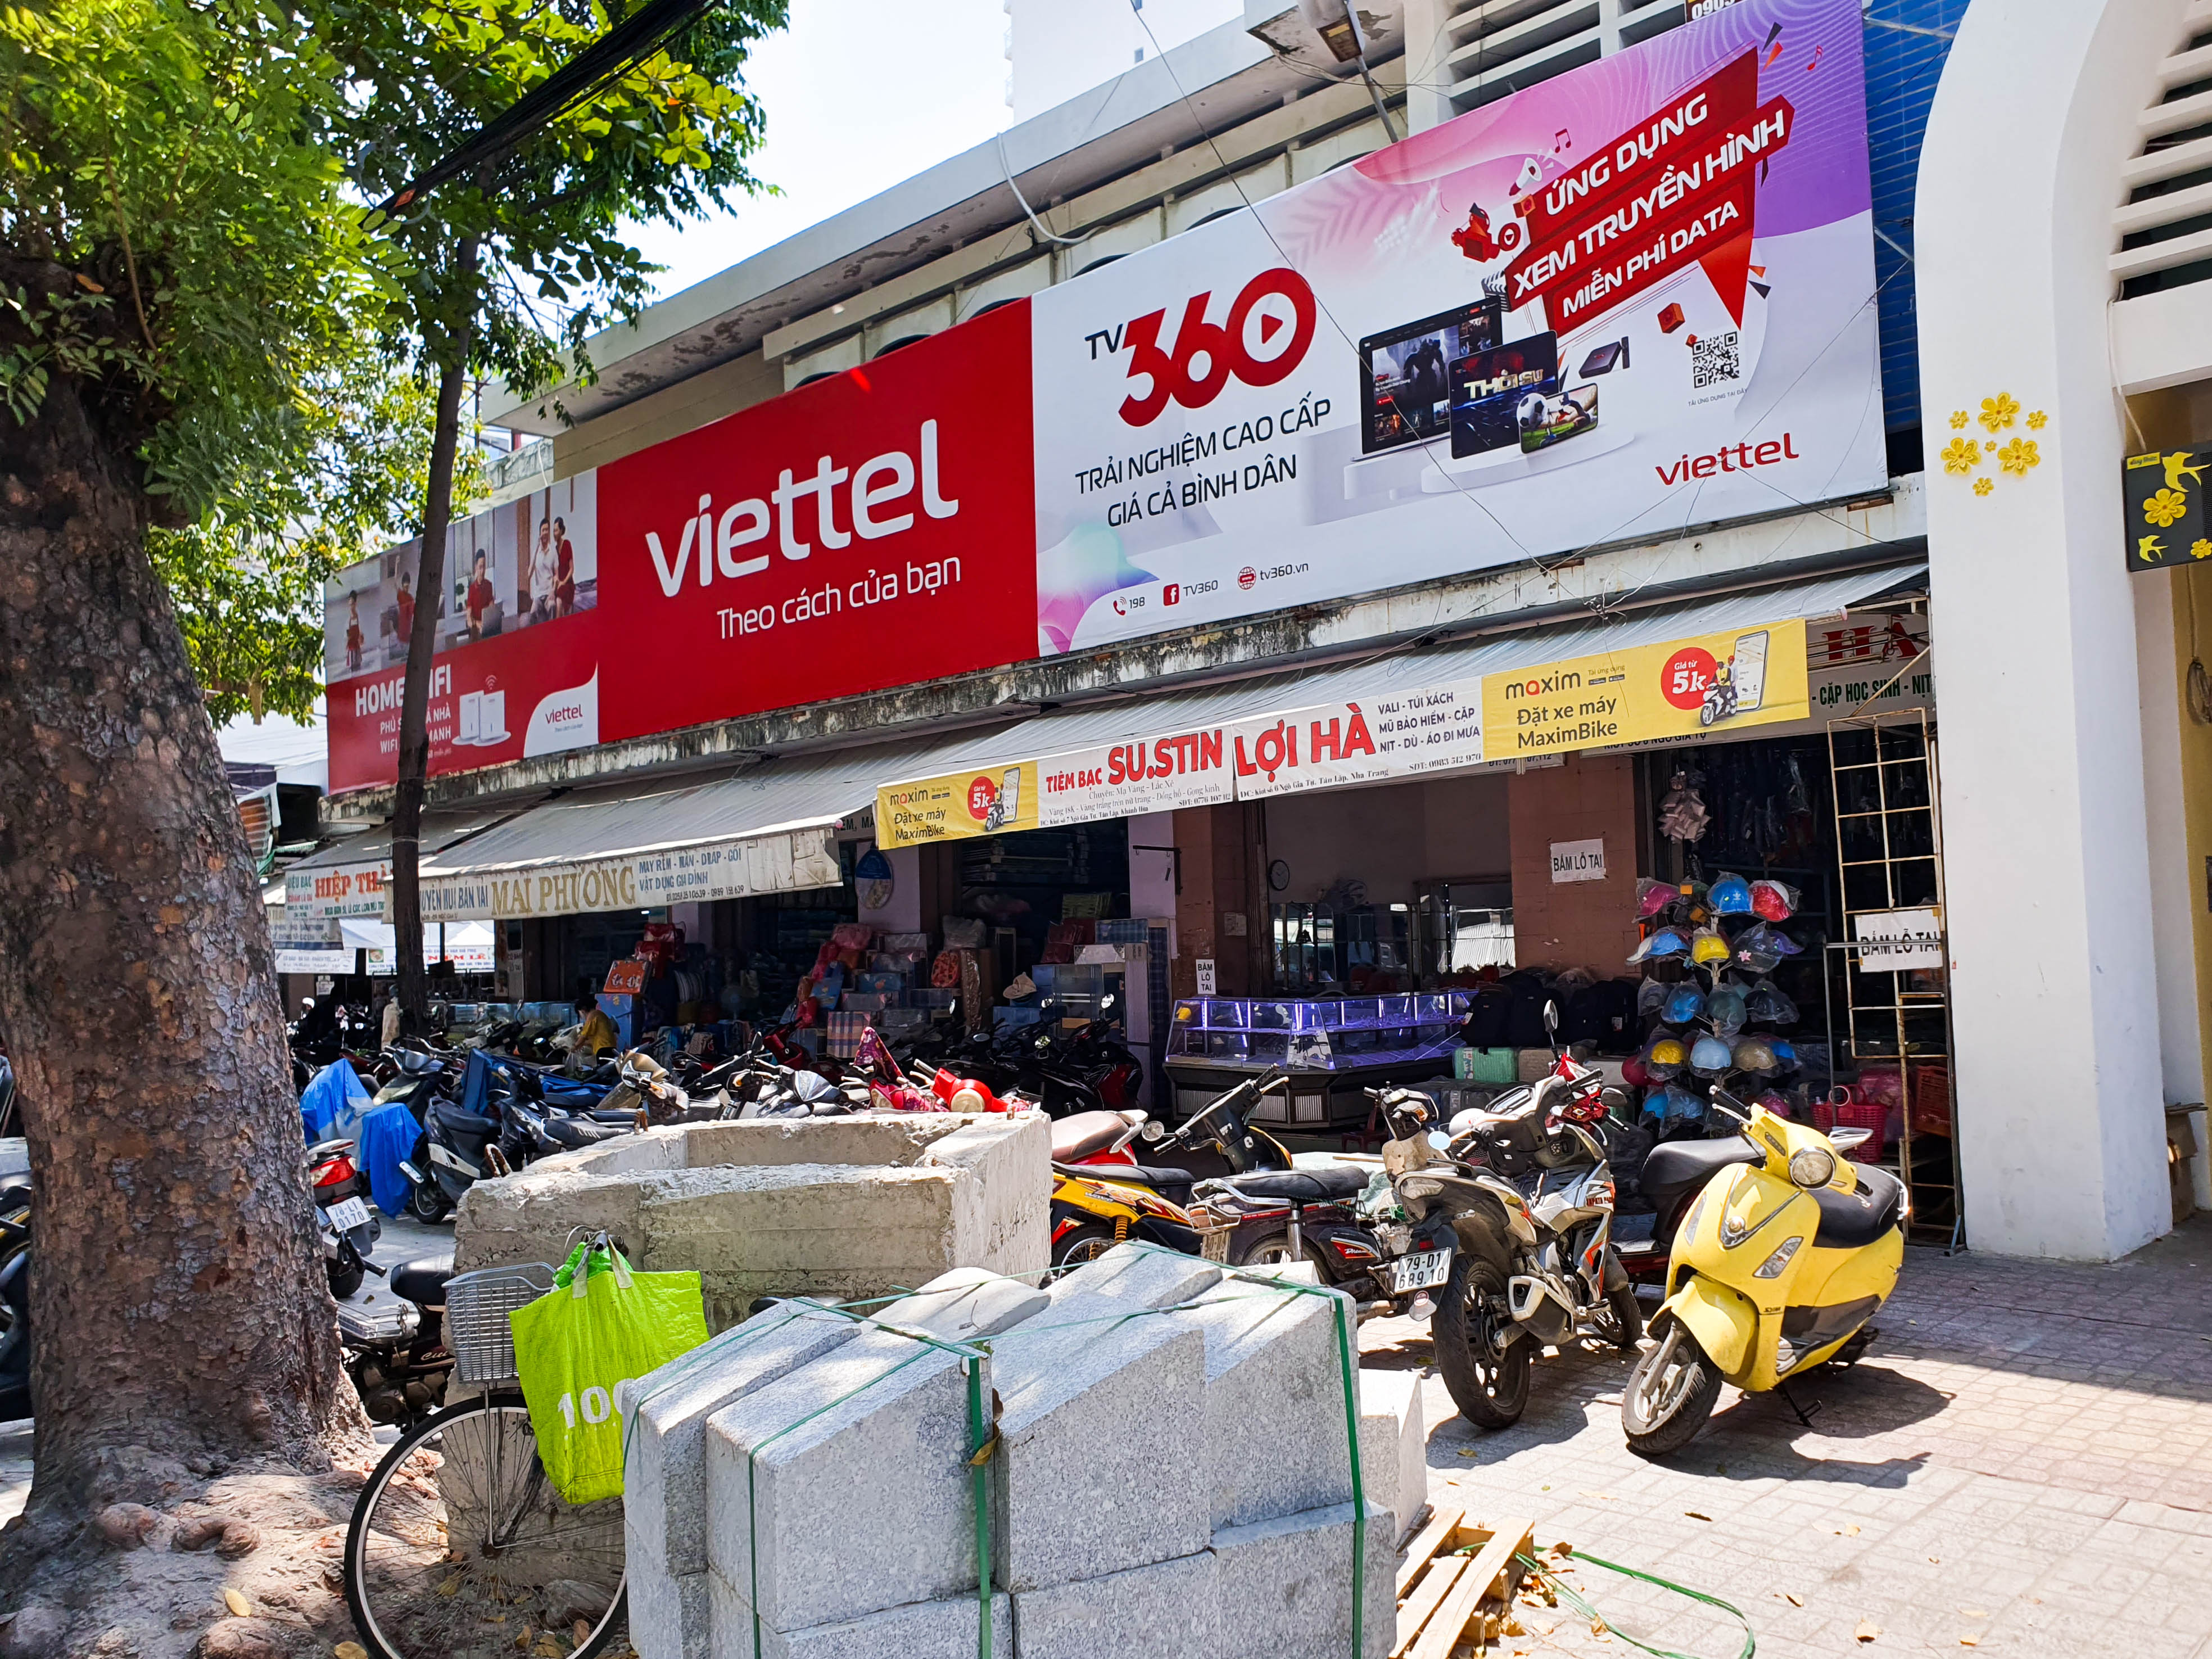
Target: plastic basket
476,1306
1872,1116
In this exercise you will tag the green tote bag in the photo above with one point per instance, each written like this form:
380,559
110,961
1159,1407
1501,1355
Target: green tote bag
600,1324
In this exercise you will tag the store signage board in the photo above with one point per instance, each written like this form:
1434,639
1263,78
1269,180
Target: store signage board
784,863
320,960
321,894
1705,684
1206,975
1578,861
2165,522
1899,941
625,978
1644,692
1181,438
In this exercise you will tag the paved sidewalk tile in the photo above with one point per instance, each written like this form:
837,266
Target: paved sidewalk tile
2022,1466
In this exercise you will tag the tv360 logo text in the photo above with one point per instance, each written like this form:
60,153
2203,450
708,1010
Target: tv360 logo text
1264,336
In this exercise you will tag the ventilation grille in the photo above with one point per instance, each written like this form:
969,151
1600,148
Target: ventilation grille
2165,227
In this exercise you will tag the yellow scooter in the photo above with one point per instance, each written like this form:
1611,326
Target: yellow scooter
1777,1269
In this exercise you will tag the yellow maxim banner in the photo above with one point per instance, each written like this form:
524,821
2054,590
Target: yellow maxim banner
1745,676
988,800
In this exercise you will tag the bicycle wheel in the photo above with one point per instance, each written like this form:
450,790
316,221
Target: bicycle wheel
460,1548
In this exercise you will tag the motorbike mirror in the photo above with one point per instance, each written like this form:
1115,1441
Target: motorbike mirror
1152,1131
1551,1017
1440,1140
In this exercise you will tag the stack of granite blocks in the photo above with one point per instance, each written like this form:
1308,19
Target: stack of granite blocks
1170,1463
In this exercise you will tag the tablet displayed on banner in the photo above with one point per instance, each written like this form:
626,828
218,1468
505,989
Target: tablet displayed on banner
1633,296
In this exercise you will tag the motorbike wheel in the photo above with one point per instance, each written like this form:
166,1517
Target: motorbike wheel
1084,1243
1270,1249
1486,1374
1627,1317
427,1203
1669,1393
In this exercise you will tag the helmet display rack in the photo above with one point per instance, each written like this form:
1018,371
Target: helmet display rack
1889,859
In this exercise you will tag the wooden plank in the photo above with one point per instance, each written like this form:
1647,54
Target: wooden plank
1496,1561
1442,1631
1414,1612
1431,1539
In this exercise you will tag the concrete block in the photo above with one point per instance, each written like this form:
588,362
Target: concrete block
1394,1445
665,1519
849,1480
924,1629
873,1138
671,1614
1101,1464
1271,1358
1285,1584
1169,1607
1002,1211
529,1217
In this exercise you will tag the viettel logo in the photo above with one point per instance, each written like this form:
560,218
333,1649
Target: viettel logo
1247,577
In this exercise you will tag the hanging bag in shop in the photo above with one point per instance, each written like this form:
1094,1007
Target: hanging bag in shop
600,1324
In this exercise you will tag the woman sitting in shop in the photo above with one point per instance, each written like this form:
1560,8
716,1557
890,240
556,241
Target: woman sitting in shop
599,1034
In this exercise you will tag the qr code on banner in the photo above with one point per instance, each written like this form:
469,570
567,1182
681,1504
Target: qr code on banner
1715,358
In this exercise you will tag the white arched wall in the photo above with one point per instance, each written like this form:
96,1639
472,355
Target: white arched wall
2049,868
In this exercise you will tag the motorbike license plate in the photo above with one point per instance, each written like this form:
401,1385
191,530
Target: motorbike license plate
348,1214
1213,1244
1425,1271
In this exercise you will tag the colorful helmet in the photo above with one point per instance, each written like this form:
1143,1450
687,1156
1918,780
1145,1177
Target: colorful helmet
1755,950
1664,1056
1768,1004
1731,896
1684,1005
1678,1103
1777,1103
1774,940
1650,998
1710,1057
1667,942
1754,1056
1774,901
1706,945
1634,1071
1652,898
1785,1053
1725,1011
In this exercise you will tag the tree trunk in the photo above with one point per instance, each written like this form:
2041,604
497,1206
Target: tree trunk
178,1297
413,989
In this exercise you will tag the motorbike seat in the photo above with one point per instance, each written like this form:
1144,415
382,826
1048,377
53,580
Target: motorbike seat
1849,1220
1675,1168
583,1131
422,1281
1302,1186
1173,1185
323,1151
1085,1134
454,1119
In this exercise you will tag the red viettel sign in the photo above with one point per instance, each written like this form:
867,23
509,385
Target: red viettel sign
866,531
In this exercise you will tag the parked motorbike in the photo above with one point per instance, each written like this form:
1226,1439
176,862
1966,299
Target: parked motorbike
1788,1250
1523,1201
14,1300
500,1123
394,1342
349,1228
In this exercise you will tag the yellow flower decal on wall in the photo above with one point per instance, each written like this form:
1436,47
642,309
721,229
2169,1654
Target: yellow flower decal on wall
1982,486
2165,508
2018,456
2038,420
2200,549
1961,455
1959,419
1999,412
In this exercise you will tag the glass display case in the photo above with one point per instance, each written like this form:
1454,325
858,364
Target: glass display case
1334,1047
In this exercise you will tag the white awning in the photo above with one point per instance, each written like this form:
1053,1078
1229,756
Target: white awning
772,828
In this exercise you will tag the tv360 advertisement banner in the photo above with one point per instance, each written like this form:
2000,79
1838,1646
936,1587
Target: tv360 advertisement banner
1635,297
1747,676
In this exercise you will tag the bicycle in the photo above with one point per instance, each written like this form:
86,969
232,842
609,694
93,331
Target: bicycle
459,1546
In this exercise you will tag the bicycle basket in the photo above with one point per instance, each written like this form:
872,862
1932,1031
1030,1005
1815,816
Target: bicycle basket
476,1306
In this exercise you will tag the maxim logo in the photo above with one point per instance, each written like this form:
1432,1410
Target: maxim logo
1550,685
